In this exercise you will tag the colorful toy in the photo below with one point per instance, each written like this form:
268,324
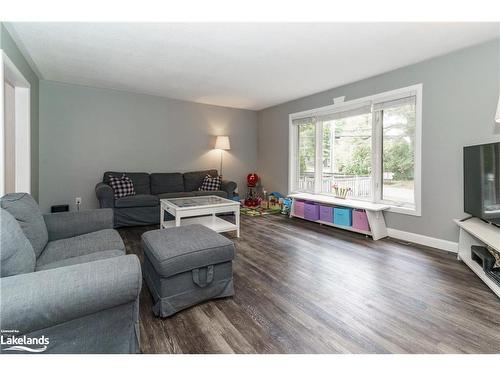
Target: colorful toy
257,211
252,199
287,205
252,179
276,195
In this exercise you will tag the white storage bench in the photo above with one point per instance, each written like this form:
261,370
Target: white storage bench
374,212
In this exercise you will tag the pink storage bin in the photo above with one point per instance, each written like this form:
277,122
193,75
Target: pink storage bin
360,220
311,211
326,213
298,208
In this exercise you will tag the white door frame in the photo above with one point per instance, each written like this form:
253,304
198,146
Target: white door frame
10,73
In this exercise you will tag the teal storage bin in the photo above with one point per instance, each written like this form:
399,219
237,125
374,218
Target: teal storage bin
342,216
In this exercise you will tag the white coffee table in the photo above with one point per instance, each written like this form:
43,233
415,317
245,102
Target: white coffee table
200,210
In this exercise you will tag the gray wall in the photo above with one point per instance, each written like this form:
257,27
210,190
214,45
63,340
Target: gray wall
87,131
460,93
11,49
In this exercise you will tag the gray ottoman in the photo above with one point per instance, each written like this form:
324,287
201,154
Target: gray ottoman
186,265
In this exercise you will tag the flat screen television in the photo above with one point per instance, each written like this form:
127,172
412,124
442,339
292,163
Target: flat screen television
482,181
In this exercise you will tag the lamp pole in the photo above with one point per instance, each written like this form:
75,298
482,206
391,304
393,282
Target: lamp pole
222,143
221,156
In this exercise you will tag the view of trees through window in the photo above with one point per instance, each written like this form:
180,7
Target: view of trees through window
347,155
347,158
307,155
399,154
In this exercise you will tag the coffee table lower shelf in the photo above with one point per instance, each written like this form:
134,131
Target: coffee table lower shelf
213,222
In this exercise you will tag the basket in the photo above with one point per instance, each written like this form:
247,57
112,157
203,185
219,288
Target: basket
340,192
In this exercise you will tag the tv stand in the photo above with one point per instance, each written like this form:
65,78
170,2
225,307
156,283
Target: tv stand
476,232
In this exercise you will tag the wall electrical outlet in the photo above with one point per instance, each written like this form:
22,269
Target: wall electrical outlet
78,201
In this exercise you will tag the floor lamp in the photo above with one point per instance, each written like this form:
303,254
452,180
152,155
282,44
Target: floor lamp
222,143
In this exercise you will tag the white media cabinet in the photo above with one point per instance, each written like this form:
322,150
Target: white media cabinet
474,231
374,212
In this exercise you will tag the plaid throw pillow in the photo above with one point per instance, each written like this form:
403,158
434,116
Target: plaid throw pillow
123,187
211,183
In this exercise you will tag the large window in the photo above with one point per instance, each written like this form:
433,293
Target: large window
306,163
398,152
347,153
370,146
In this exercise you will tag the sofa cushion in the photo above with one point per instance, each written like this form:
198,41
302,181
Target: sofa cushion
166,183
182,194
16,253
219,193
140,200
140,180
106,239
193,180
81,259
179,249
26,211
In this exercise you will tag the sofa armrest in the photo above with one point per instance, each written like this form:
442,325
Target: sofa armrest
71,224
38,300
105,195
229,187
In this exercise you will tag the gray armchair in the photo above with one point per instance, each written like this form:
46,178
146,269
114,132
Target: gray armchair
66,277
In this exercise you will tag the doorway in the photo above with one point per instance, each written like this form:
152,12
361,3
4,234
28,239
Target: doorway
15,129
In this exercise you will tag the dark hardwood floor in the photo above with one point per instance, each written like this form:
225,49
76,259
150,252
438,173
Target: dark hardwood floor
305,288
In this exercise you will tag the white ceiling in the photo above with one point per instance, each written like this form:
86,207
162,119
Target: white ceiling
250,65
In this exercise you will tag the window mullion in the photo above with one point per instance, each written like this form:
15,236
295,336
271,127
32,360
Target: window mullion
318,168
377,156
296,149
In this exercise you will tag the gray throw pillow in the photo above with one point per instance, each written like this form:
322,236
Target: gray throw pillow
26,211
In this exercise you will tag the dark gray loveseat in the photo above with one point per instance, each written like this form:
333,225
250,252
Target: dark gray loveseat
143,208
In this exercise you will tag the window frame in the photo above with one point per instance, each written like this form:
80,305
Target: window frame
297,167
377,182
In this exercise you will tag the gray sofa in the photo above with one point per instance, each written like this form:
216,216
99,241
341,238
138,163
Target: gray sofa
143,208
66,277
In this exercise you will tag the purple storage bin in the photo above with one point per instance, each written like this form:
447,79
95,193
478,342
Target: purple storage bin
360,220
326,213
311,211
298,208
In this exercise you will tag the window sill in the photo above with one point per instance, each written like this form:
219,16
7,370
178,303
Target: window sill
404,210
392,208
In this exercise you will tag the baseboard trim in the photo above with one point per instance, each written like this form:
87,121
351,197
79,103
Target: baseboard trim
423,240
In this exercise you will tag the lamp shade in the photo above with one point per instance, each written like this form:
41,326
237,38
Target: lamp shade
222,142
497,116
